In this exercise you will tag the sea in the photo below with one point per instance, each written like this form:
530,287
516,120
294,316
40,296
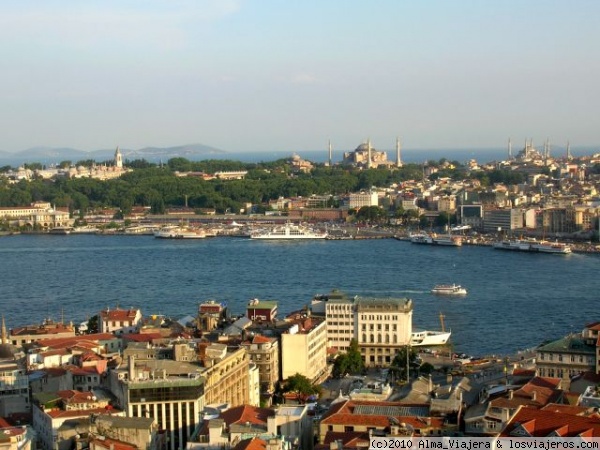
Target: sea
515,301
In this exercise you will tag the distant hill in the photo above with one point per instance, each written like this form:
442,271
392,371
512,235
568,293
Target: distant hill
51,155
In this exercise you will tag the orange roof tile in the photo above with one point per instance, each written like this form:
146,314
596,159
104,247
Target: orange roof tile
246,413
540,423
251,444
118,314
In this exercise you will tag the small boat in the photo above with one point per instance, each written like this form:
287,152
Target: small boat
449,289
61,230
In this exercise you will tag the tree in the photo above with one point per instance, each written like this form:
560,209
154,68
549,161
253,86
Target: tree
398,367
301,386
349,362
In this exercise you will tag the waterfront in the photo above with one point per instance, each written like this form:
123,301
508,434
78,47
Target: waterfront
515,300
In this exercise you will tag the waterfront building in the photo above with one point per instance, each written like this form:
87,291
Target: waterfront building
502,220
119,321
304,348
170,392
565,358
40,215
382,327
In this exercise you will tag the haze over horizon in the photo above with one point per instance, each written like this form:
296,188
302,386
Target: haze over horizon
262,75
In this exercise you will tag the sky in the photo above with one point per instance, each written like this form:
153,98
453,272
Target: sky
290,75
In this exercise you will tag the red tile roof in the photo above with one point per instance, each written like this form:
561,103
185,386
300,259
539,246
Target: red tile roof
119,314
350,439
251,444
111,444
568,409
540,423
260,339
535,394
246,413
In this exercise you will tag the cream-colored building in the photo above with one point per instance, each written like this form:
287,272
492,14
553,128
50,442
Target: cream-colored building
304,350
38,214
264,353
359,199
383,326
339,315
226,375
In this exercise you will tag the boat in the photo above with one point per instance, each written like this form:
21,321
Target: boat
449,289
532,245
61,230
552,247
177,232
289,231
426,338
445,240
85,229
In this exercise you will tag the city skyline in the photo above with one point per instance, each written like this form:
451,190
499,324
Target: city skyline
279,76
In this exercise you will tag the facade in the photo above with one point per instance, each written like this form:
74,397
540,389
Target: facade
264,353
120,321
226,375
502,220
261,310
14,381
565,358
47,330
170,392
339,315
304,349
382,327
359,199
38,215
210,315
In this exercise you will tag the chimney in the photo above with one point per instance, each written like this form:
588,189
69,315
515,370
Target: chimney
534,396
510,394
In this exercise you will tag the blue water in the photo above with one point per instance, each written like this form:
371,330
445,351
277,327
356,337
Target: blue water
515,300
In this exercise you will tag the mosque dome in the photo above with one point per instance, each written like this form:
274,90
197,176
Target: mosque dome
7,351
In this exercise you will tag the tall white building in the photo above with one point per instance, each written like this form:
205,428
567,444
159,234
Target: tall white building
339,315
304,350
359,199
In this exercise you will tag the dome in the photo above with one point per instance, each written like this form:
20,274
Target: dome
364,147
7,351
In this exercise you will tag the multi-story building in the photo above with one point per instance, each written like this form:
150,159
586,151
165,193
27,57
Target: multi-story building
502,220
210,315
37,215
261,310
46,330
264,353
304,349
382,328
14,381
565,358
170,392
339,315
226,374
357,200
120,321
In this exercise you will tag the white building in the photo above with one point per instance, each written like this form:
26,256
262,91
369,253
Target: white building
359,199
304,350
339,315
120,321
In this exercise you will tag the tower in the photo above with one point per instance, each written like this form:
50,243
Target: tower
118,159
569,151
398,158
369,161
509,149
4,335
330,154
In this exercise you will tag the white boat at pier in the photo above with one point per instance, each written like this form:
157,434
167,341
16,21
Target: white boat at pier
289,232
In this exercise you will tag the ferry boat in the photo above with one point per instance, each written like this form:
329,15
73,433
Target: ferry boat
449,289
61,230
289,231
531,245
447,240
424,338
177,232
85,229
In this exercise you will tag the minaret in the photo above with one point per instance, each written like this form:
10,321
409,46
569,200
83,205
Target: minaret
547,153
118,159
398,158
369,153
4,335
330,154
509,149
569,151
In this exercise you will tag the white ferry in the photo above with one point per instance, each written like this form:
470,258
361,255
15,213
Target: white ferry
552,247
425,338
449,289
289,231
447,240
176,232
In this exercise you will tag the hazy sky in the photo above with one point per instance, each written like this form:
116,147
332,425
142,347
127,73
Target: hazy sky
254,75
